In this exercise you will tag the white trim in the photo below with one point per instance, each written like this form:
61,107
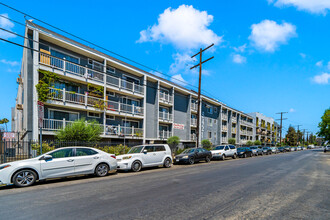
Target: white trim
113,118
94,113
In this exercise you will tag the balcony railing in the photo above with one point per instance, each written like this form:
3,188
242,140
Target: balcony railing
224,128
224,116
224,139
243,132
233,130
84,99
234,119
85,72
165,134
54,124
194,106
165,116
194,122
193,137
167,98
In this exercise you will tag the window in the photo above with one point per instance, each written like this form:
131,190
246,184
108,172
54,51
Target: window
232,146
215,121
209,109
110,69
85,152
149,148
226,148
159,148
94,115
60,115
112,94
95,65
209,134
210,122
61,55
215,110
110,117
67,152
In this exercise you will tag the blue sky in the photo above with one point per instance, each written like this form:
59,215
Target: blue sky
270,55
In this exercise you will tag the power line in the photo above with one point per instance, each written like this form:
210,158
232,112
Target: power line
281,125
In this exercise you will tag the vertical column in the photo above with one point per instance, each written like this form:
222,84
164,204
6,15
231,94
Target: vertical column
105,95
144,108
173,116
35,82
157,111
188,124
200,135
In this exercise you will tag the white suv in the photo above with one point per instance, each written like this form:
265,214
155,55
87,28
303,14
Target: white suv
145,156
223,151
326,148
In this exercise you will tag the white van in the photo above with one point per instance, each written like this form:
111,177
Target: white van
223,151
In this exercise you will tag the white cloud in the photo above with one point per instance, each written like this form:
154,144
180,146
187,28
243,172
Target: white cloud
319,63
268,35
6,24
182,63
240,49
302,55
178,79
292,110
237,58
312,6
321,79
185,27
11,63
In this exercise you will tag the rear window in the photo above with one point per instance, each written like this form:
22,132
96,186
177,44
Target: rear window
84,152
159,148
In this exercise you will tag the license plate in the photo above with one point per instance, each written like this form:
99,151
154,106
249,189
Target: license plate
177,160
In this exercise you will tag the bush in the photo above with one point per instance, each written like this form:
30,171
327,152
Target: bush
173,142
45,148
179,151
117,150
249,143
257,142
206,143
232,141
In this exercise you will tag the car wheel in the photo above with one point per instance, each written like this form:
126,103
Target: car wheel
223,157
136,166
207,159
251,154
167,163
24,178
101,170
191,160
234,156
244,155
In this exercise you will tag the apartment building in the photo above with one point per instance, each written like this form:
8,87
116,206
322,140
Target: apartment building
127,102
267,130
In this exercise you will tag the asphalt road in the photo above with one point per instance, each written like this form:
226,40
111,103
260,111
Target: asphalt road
294,185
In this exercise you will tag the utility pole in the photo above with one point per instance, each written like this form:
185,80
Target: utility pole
298,134
199,87
281,125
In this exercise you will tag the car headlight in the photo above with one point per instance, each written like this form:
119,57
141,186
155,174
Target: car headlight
4,166
126,158
185,157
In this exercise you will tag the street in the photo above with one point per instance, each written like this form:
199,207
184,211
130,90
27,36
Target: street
292,185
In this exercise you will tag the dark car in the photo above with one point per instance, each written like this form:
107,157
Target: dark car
281,149
192,155
267,150
244,152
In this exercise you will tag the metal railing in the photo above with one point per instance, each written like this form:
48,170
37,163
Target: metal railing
92,74
233,130
224,128
54,124
165,98
224,139
194,122
224,116
165,116
194,106
193,137
165,134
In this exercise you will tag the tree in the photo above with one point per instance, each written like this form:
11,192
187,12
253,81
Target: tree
249,143
206,143
324,126
80,130
300,137
231,141
4,121
257,142
291,136
173,142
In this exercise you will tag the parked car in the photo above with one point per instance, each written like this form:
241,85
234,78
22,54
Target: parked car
193,155
223,151
267,150
292,149
287,148
244,152
256,151
61,162
274,150
326,148
281,149
141,156
310,147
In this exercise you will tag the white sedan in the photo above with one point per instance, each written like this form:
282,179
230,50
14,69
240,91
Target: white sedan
61,162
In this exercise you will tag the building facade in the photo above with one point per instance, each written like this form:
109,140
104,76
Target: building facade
127,102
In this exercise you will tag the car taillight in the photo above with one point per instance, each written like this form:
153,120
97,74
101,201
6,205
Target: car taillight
113,156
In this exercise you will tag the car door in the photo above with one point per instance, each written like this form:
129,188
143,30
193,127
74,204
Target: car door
149,158
160,152
85,160
61,164
227,151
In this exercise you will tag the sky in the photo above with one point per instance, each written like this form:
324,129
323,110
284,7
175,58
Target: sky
269,55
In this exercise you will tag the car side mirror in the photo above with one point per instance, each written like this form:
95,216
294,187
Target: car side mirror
47,157
145,151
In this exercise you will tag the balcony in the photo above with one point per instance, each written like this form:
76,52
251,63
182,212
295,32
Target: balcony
165,134
224,128
84,73
193,137
224,116
165,117
194,106
90,101
165,98
224,140
234,119
233,130
193,122
243,132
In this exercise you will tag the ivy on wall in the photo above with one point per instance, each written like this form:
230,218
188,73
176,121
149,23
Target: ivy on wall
46,79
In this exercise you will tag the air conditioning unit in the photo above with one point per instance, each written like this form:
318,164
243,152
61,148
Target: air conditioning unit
19,106
19,80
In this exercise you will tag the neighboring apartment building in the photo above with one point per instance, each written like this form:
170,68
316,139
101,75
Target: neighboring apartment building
267,130
126,101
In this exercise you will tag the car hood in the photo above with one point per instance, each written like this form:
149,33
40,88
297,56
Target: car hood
125,155
182,155
217,151
14,163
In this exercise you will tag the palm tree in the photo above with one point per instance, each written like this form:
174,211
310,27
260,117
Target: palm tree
4,121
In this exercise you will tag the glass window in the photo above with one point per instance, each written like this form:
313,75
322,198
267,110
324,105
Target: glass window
60,55
227,148
209,134
67,152
149,148
59,115
159,148
232,146
84,152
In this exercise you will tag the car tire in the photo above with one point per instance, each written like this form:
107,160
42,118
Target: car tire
207,159
244,155
102,170
24,178
223,157
234,156
191,160
167,163
251,154
136,166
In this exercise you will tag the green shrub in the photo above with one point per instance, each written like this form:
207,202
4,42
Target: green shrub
249,143
179,151
45,148
117,150
232,141
257,142
206,143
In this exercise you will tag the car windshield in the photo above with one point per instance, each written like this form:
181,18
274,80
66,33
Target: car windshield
253,147
135,150
241,149
219,148
187,151
265,148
